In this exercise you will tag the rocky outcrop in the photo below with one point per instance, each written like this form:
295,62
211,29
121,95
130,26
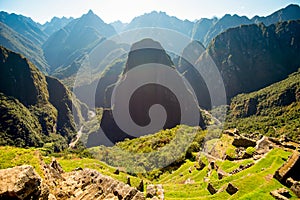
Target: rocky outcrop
22,183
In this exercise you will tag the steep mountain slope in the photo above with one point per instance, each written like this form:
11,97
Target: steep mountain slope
31,107
251,57
145,96
226,22
274,110
201,27
16,42
193,50
67,44
24,26
291,12
55,24
161,20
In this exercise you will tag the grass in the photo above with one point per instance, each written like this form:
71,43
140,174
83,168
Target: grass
14,156
255,182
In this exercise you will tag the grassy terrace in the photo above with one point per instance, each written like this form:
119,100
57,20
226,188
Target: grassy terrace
255,182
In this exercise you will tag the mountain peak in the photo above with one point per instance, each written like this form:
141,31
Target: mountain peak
90,12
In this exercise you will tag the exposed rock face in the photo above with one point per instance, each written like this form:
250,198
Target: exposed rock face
231,189
21,183
24,183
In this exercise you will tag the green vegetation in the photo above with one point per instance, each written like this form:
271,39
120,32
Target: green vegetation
35,112
272,111
253,183
12,156
151,151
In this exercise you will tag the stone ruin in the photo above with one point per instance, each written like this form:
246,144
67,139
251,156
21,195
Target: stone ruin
288,174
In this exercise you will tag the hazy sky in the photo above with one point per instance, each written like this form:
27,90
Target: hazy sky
126,10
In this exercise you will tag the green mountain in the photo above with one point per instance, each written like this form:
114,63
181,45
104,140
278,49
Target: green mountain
251,57
272,111
67,44
35,109
24,26
18,43
55,24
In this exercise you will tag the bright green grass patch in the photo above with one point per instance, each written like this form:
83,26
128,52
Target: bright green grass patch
14,156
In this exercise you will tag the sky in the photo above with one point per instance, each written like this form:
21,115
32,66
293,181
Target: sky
125,10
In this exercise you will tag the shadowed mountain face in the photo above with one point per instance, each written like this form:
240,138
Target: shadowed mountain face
34,110
146,58
251,57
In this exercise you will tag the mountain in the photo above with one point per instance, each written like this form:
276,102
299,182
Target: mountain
251,57
146,95
201,27
205,30
35,109
272,111
119,26
185,66
18,43
226,22
67,44
24,26
160,20
55,24
291,12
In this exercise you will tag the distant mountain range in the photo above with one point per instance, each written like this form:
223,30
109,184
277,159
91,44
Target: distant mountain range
58,43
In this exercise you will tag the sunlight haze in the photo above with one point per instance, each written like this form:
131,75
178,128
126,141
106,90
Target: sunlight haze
125,11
